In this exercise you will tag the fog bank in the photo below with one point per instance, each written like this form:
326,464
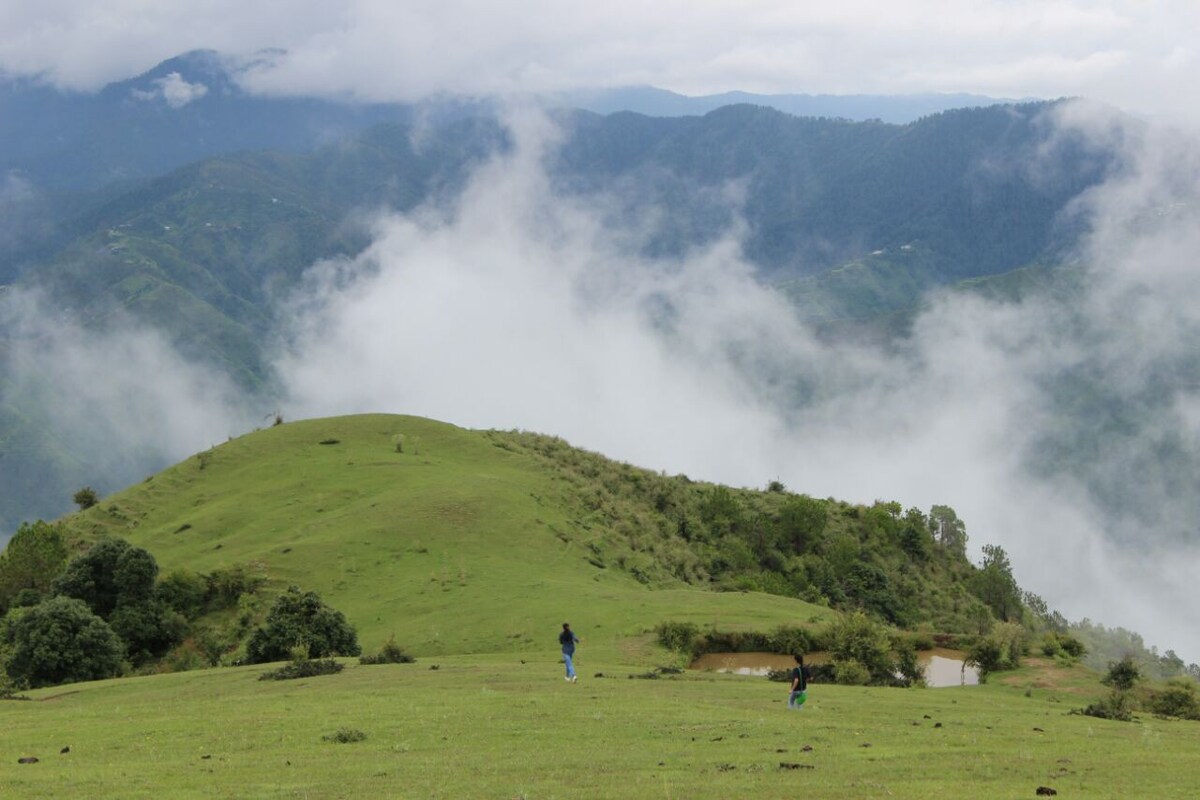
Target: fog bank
518,307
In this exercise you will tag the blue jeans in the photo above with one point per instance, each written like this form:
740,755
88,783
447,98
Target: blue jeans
570,666
796,699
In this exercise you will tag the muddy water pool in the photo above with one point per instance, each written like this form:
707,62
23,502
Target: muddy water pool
942,667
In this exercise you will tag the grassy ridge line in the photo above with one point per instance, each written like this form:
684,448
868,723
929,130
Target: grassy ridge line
455,545
490,726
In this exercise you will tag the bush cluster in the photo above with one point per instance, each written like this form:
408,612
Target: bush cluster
390,653
1178,699
301,619
303,668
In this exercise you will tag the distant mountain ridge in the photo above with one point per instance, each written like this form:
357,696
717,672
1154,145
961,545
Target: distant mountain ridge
856,219
193,106
655,102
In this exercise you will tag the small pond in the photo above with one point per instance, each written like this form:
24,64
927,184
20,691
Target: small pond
942,667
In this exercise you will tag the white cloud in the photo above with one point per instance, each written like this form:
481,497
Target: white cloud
1127,53
520,308
174,90
120,396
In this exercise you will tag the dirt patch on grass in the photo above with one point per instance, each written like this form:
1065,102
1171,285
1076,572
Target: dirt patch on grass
1043,673
56,696
637,649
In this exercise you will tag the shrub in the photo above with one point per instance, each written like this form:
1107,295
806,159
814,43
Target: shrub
909,667
149,629
390,653
856,637
1178,699
185,592
791,640
61,641
1066,644
1115,707
226,586
985,655
300,618
302,668
851,673
27,598
1122,674
678,636
85,498
1010,638
345,736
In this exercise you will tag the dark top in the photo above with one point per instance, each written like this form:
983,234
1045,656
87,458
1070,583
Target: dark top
800,674
568,639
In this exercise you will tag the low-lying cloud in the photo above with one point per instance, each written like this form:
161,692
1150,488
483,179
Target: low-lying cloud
173,90
114,401
520,307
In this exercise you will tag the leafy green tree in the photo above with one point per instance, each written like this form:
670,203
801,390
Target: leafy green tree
301,619
858,638
85,498
948,530
61,641
995,586
869,585
1123,674
33,559
148,628
184,592
802,521
111,573
721,511
915,538
117,582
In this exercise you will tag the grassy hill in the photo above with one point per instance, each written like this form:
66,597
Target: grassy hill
460,544
471,547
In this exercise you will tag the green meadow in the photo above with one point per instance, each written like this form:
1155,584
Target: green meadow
458,544
492,726
471,553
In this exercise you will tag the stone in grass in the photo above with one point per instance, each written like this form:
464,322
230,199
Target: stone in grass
1046,791
28,760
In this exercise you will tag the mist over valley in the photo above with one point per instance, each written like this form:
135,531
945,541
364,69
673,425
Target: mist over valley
988,307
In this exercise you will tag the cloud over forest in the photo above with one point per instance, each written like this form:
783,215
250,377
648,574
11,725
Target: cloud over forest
520,306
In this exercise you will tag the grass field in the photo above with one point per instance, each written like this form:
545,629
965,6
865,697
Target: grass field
473,554
492,726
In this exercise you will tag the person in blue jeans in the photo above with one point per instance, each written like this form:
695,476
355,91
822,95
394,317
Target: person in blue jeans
568,640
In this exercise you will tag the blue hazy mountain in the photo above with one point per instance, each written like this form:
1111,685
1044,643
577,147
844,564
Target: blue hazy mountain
656,102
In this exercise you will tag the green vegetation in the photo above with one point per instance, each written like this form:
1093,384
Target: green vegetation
390,653
490,726
303,667
60,641
34,557
472,551
300,620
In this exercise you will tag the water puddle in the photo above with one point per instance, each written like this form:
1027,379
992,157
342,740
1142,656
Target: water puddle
942,667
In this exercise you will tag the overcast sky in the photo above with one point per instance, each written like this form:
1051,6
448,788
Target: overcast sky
1140,56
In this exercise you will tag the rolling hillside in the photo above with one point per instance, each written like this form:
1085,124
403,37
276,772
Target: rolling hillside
471,547
460,544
